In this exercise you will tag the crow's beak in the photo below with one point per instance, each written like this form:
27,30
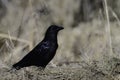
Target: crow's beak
60,28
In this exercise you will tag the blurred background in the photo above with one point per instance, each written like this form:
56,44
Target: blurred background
92,28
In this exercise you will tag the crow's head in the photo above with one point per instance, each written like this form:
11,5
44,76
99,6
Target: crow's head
55,28
52,31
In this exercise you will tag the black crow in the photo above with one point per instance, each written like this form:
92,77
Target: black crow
44,52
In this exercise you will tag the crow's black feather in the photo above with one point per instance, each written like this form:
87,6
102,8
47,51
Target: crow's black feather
44,52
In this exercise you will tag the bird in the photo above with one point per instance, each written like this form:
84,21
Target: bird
44,52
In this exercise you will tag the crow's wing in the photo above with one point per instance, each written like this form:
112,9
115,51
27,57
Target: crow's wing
38,52
42,48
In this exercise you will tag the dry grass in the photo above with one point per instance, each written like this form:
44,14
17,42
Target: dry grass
108,70
90,51
108,28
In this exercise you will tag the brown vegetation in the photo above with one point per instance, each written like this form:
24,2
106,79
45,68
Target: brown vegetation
89,46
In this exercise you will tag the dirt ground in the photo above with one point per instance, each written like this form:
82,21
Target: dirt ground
67,71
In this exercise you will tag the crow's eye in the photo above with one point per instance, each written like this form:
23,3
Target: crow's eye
53,28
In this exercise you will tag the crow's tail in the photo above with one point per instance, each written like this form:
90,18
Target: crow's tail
15,66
